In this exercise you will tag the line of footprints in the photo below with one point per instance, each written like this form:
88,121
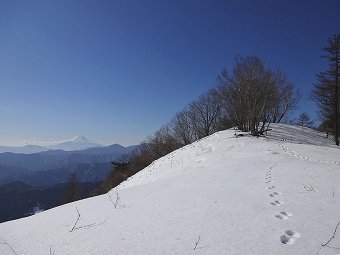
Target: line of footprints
289,236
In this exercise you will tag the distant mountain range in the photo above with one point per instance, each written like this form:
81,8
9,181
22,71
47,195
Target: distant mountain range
28,178
76,143
54,166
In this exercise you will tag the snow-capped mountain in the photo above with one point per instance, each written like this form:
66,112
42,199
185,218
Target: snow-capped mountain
220,195
76,143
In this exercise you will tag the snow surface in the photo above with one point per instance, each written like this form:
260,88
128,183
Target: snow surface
219,195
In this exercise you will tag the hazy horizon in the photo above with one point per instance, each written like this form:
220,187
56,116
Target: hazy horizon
49,143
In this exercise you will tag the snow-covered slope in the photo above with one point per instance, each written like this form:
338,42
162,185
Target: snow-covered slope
219,195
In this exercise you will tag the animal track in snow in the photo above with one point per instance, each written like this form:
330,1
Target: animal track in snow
292,233
272,187
284,215
274,194
269,181
297,155
276,202
273,166
289,237
281,217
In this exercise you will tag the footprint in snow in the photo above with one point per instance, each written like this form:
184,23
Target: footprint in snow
284,215
274,194
272,187
289,237
277,202
269,181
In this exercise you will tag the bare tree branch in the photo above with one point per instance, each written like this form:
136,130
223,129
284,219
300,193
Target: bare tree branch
333,236
197,242
78,218
116,201
4,242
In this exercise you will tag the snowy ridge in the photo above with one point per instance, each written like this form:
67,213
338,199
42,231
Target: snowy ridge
219,195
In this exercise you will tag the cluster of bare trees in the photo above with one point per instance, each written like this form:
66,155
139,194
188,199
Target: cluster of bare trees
249,98
326,92
253,95
199,119
304,120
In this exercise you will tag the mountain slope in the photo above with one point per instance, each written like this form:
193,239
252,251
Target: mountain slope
219,195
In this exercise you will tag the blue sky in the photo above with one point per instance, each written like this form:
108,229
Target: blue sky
115,71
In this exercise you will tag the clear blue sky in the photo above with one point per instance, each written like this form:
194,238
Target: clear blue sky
115,71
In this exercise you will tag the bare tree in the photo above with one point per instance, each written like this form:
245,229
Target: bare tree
249,94
287,99
304,120
182,127
162,142
326,92
204,113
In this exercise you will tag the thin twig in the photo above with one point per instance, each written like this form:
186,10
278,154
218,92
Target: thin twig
116,202
333,236
4,242
89,226
78,218
196,243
